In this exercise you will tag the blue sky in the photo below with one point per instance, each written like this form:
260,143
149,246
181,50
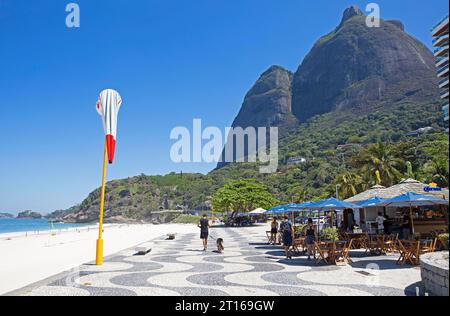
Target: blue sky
171,60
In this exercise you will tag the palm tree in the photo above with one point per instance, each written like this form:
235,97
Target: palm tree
380,157
437,170
349,184
409,170
299,194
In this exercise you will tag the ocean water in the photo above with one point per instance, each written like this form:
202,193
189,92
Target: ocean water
12,225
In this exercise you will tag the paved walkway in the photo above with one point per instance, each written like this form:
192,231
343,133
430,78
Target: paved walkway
249,267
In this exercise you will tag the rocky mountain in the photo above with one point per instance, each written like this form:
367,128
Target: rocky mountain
355,69
268,103
29,215
363,69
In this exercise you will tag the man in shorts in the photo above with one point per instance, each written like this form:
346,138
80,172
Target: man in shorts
204,231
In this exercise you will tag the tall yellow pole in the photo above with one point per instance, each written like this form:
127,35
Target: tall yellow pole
99,252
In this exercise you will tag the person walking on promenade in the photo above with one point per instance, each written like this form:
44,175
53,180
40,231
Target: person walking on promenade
204,231
288,236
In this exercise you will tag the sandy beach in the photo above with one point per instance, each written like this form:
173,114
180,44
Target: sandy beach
28,259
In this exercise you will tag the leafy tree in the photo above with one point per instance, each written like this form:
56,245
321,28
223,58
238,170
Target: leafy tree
349,184
299,194
436,170
242,196
409,170
380,157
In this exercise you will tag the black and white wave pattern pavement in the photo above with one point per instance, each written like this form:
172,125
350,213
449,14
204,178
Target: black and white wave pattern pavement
249,267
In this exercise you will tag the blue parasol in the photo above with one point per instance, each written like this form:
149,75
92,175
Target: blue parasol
375,201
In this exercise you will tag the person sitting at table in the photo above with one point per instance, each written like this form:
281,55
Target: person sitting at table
310,233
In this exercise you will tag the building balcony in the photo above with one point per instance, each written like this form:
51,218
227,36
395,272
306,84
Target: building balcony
440,28
443,83
441,51
441,41
443,72
441,61
444,94
445,111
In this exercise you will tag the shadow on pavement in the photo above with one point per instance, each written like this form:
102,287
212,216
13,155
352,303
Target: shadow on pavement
382,264
411,289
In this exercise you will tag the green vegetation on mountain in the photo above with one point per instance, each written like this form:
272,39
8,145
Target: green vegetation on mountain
29,215
340,152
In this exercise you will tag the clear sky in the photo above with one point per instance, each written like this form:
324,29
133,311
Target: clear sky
171,60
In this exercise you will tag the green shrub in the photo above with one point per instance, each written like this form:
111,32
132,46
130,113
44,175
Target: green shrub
330,234
299,229
444,240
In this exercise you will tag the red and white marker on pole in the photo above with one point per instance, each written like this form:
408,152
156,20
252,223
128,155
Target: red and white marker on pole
108,106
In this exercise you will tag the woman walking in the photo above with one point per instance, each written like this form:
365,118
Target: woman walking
273,231
310,233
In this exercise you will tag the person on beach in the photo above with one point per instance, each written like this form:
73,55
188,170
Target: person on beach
204,231
288,236
273,231
310,233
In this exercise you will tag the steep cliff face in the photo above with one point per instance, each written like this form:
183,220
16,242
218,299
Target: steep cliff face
355,68
268,104
362,69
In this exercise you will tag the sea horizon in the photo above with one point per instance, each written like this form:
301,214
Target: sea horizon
17,225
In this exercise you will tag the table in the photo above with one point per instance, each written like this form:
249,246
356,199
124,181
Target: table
376,245
411,250
359,239
332,252
299,242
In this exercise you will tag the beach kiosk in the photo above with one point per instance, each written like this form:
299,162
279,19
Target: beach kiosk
428,219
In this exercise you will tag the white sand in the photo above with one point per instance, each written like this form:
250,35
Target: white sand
26,260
